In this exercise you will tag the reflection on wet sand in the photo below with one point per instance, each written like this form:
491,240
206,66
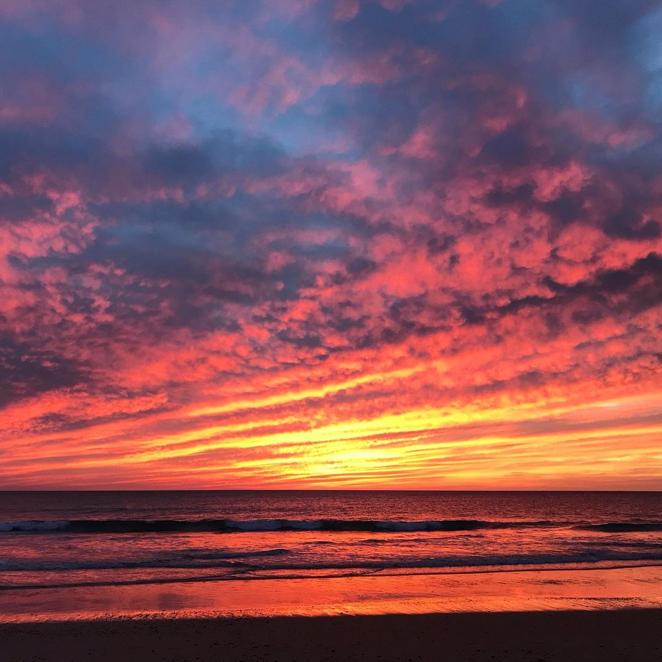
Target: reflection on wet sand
529,590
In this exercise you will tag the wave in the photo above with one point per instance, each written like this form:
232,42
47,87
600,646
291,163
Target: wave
98,526
622,527
298,570
189,559
92,526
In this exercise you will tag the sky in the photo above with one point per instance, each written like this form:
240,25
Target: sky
331,244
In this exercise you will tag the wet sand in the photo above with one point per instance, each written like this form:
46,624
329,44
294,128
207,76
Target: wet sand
548,589
604,636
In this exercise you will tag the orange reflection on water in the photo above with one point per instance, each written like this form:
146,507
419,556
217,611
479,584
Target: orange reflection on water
484,591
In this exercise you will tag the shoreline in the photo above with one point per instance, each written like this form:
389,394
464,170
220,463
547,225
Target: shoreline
607,636
360,571
526,590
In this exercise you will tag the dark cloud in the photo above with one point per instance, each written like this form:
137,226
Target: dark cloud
629,224
28,370
21,207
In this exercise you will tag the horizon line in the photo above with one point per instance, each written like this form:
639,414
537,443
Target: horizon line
451,491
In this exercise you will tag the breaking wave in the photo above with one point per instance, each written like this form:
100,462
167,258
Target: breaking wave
256,525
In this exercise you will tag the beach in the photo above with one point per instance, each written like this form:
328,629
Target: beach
333,576
529,616
603,636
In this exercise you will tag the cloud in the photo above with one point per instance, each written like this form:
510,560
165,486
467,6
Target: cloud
250,238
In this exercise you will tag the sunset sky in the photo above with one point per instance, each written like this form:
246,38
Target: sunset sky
317,244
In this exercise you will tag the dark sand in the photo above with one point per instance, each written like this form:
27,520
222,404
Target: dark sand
604,636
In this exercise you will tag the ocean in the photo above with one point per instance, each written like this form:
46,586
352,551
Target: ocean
70,540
